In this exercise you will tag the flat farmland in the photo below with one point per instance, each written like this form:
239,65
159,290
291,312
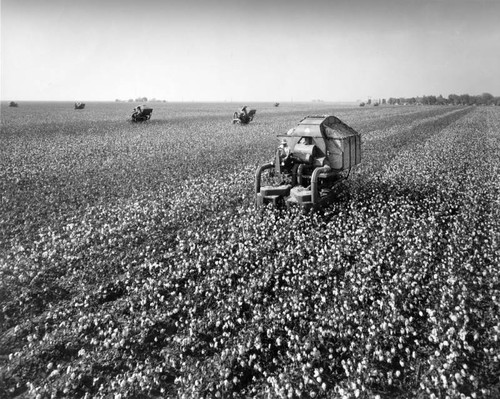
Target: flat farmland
133,263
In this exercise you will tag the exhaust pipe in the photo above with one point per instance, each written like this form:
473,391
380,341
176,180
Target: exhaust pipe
258,175
314,182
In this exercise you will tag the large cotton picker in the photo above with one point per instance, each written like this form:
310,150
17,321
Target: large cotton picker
312,159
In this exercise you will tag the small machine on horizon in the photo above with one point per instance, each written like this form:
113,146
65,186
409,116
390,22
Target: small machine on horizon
79,105
313,158
141,113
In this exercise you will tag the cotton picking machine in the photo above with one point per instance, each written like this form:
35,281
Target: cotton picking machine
311,160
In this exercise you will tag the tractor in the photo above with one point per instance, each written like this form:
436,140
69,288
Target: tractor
312,159
79,105
242,117
141,113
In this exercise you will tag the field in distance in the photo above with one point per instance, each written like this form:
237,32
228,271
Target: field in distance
133,263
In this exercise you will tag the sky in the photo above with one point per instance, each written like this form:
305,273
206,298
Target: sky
258,50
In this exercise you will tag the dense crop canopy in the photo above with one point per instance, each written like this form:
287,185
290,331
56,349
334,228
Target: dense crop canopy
133,263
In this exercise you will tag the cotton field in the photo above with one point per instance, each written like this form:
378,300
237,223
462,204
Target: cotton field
133,262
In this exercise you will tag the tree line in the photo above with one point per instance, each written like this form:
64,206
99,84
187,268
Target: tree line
140,100
452,99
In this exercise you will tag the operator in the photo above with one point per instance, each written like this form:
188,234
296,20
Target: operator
137,110
243,112
284,150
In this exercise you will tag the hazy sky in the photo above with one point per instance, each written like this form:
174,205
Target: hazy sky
252,50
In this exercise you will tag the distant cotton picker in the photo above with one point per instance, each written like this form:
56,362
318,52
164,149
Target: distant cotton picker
141,113
13,104
79,105
243,116
276,104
